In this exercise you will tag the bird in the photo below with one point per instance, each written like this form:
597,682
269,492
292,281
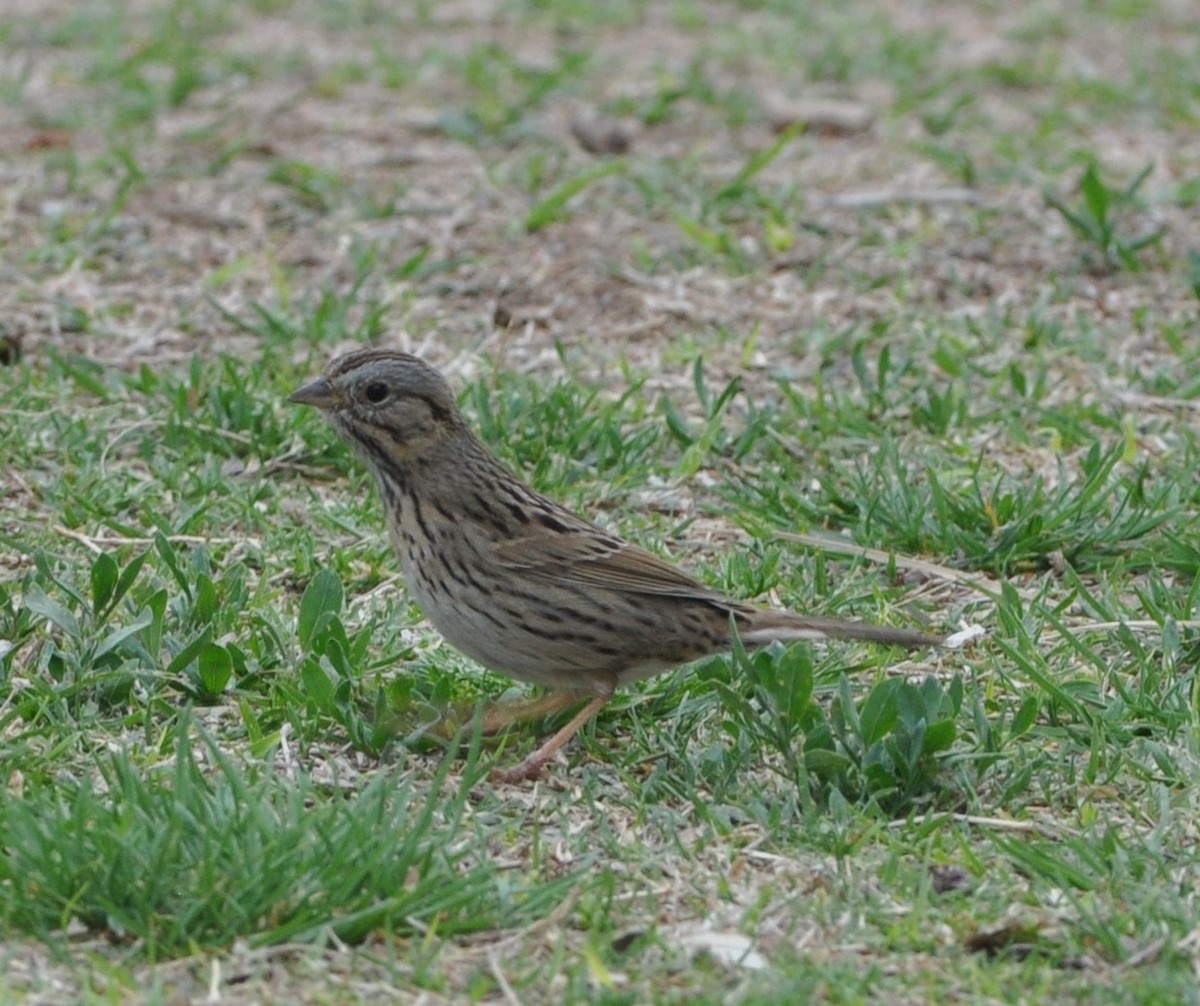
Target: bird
519,583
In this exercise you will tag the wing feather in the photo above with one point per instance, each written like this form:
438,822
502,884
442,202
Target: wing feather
597,560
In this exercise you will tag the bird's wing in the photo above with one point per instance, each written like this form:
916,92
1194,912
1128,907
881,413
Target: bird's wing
594,560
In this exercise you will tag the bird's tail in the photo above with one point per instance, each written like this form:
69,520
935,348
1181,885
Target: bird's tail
758,627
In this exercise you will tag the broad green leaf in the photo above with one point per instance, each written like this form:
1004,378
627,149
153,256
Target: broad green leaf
1025,717
215,668
144,619
128,575
180,662
318,682
157,603
322,600
104,581
40,603
823,762
939,736
205,604
880,711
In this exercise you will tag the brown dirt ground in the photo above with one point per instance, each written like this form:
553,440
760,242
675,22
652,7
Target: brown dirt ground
148,283
188,239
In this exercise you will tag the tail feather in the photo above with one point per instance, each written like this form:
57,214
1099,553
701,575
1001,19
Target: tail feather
759,627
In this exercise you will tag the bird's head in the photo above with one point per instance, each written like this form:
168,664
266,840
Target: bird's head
387,406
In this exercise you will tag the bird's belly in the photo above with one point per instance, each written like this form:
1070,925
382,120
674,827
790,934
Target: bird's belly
508,634
557,635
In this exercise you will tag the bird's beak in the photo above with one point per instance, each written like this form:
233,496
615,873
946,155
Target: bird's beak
318,393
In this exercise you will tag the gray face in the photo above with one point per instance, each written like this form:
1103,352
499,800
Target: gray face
386,406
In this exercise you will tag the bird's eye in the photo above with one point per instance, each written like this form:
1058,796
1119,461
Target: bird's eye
376,392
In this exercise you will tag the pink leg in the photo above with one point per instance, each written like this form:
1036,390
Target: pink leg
532,766
503,714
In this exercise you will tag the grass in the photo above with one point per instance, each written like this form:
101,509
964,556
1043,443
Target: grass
219,713
820,749
192,855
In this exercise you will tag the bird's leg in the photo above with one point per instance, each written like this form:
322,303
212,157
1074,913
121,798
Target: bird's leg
499,715
532,766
